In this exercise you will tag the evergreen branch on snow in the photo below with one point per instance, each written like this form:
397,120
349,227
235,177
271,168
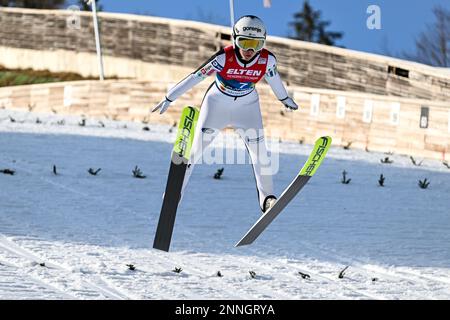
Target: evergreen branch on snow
342,273
386,160
137,173
8,171
218,174
381,180
93,171
344,178
424,184
414,162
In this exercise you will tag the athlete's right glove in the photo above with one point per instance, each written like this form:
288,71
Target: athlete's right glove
162,106
289,103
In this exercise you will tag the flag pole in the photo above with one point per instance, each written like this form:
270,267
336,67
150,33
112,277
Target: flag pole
232,12
97,40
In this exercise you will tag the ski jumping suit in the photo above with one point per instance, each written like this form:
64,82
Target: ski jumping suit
232,100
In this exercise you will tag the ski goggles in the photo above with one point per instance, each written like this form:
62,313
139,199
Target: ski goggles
245,44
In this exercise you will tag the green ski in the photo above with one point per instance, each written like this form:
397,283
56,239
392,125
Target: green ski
180,156
312,164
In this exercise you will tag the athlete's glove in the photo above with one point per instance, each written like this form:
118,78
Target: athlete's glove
162,106
289,103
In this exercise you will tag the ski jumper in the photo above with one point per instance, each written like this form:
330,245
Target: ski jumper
232,101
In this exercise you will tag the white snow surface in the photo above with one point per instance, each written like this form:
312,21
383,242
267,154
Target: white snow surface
72,235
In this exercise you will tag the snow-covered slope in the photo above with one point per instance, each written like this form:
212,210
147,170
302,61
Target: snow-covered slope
72,235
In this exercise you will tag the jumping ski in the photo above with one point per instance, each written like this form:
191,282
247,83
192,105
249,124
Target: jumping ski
180,156
310,167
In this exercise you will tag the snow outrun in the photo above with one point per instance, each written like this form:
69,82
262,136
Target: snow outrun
72,235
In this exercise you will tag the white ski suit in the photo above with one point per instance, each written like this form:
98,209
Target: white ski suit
232,101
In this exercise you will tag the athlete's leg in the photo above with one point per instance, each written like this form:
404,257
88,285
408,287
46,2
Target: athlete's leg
248,122
213,117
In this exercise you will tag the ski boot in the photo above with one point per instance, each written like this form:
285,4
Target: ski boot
269,202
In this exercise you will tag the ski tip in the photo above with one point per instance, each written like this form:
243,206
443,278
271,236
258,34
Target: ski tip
325,141
328,139
242,242
161,246
316,157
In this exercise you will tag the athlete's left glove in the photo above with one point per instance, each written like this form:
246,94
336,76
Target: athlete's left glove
162,106
289,103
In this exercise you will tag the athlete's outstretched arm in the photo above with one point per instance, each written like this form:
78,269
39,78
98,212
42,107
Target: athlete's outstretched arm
211,66
274,80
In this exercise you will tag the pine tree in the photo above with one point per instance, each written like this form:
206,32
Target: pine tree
34,4
84,6
308,26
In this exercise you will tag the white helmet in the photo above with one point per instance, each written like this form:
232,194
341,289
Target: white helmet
249,32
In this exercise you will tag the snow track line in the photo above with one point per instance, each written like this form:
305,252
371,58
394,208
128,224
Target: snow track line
364,272
144,279
24,254
335,281
102,200
40,279
297,278
377,270
191,272
411,281
75,191
329,279
287,296
339,284
97,198
35,279
238,262
203,273
103,288
424,276
407,275
111,292
195,270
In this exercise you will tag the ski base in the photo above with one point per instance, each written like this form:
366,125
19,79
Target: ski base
169,208
312,164
178,165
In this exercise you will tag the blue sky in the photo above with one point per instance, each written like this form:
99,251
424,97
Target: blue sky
401,20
